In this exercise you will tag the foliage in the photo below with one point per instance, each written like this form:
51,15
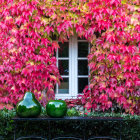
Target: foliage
114,61
130,129
27,61
117,115
6,128
72,112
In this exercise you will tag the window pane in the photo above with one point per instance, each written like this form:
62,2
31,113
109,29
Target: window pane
82,67
55,53
64,86
82,82
82,49
55,89
63,51
63,67
81,38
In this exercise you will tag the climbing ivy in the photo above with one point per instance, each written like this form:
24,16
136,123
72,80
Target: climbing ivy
27,61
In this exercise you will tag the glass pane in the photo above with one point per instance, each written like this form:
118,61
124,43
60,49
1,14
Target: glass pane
63,51
55,89
82,82
81,38
55,53
64,86
82,67
63,67
82,49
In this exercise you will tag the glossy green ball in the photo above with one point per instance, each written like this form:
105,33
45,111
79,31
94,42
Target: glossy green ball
56,108
28,106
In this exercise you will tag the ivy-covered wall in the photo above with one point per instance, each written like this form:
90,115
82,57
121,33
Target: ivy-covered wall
27,61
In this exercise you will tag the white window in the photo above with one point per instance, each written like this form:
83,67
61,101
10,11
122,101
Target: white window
73,67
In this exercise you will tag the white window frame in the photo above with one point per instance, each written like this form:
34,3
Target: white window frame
73,69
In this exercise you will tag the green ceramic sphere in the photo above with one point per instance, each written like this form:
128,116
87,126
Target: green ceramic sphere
28,106
56,108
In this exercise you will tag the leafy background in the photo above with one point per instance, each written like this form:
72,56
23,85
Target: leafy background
27,61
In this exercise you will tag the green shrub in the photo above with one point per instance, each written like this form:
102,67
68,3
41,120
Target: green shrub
6,127
130,126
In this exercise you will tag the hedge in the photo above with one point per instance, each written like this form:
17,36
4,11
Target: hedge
130,126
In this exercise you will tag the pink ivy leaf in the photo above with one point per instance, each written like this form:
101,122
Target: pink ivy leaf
88,105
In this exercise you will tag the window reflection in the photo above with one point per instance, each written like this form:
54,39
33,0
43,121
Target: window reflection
82,82
63,51
63,67
82,49
82,67
64,86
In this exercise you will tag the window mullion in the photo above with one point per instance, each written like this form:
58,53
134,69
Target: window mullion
57,66
70,68
74,66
